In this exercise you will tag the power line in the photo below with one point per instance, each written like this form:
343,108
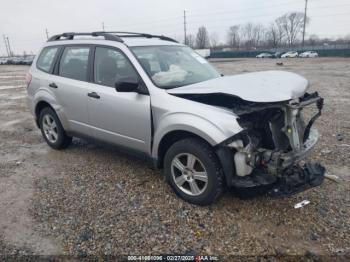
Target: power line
200,13
170,23
257,16
246,9
238,11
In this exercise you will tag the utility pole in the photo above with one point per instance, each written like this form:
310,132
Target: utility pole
305,17
103,26
185,35
7,49
47,33
8,43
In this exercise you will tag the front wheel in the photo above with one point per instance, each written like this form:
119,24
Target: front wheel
194,172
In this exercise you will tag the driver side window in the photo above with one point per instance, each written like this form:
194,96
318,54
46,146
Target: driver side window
112,66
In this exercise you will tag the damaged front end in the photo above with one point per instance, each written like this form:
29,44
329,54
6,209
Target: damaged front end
275,139
266,154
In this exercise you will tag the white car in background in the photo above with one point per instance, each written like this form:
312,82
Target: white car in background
3,61
290,54
309,54
264,55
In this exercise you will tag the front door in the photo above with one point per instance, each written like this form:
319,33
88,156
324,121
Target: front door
123,118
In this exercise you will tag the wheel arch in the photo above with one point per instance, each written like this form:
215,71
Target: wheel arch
169,139
43,98
38,107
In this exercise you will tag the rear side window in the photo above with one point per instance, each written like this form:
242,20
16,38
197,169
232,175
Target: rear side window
74,63
46,58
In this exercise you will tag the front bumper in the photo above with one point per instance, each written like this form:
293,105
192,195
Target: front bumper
298,179
291,181
290,158
277,171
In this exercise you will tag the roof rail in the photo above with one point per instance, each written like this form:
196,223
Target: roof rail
71,35
113,36
133,34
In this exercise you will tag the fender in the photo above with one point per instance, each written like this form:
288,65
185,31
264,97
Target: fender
202,127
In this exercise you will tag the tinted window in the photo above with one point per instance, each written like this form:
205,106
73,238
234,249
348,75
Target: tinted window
46,58
74,63
112,66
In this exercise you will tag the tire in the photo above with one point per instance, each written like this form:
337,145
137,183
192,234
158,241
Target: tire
204,161
48,116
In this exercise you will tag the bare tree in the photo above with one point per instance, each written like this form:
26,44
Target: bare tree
257,34
190,40
313,40
233,36
274,35
252,34
292,25
214,39
247,33
202,38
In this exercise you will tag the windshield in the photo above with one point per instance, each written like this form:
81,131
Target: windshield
174,66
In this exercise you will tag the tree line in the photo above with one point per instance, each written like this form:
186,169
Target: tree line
284,31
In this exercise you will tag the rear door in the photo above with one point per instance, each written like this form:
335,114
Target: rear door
123,118
71,86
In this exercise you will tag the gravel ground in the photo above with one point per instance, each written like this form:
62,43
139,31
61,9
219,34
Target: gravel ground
93,199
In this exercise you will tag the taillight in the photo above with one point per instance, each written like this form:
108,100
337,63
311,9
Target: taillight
28,79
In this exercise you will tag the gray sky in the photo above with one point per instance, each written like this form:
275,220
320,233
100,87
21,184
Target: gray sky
24,21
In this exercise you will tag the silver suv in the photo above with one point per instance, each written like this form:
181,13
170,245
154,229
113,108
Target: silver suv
155,96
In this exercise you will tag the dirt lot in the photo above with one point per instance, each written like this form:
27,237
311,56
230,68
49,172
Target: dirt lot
92,199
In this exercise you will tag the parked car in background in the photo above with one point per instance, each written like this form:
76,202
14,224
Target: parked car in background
308,54
28,60
290,54
3,61
17,60
277,54
264,55
203,52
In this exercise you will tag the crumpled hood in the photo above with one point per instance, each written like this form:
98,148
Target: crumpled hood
265,86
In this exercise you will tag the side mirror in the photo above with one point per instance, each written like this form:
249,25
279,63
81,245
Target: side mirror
127,85
131,84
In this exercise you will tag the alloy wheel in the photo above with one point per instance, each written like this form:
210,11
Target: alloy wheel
189,174
50,128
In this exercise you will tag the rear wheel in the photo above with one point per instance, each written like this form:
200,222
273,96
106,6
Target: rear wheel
193,171
52,130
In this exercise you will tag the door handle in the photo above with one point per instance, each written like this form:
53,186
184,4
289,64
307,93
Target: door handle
53,85
93,95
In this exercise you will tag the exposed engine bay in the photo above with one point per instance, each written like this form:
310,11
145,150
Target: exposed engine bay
274,140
